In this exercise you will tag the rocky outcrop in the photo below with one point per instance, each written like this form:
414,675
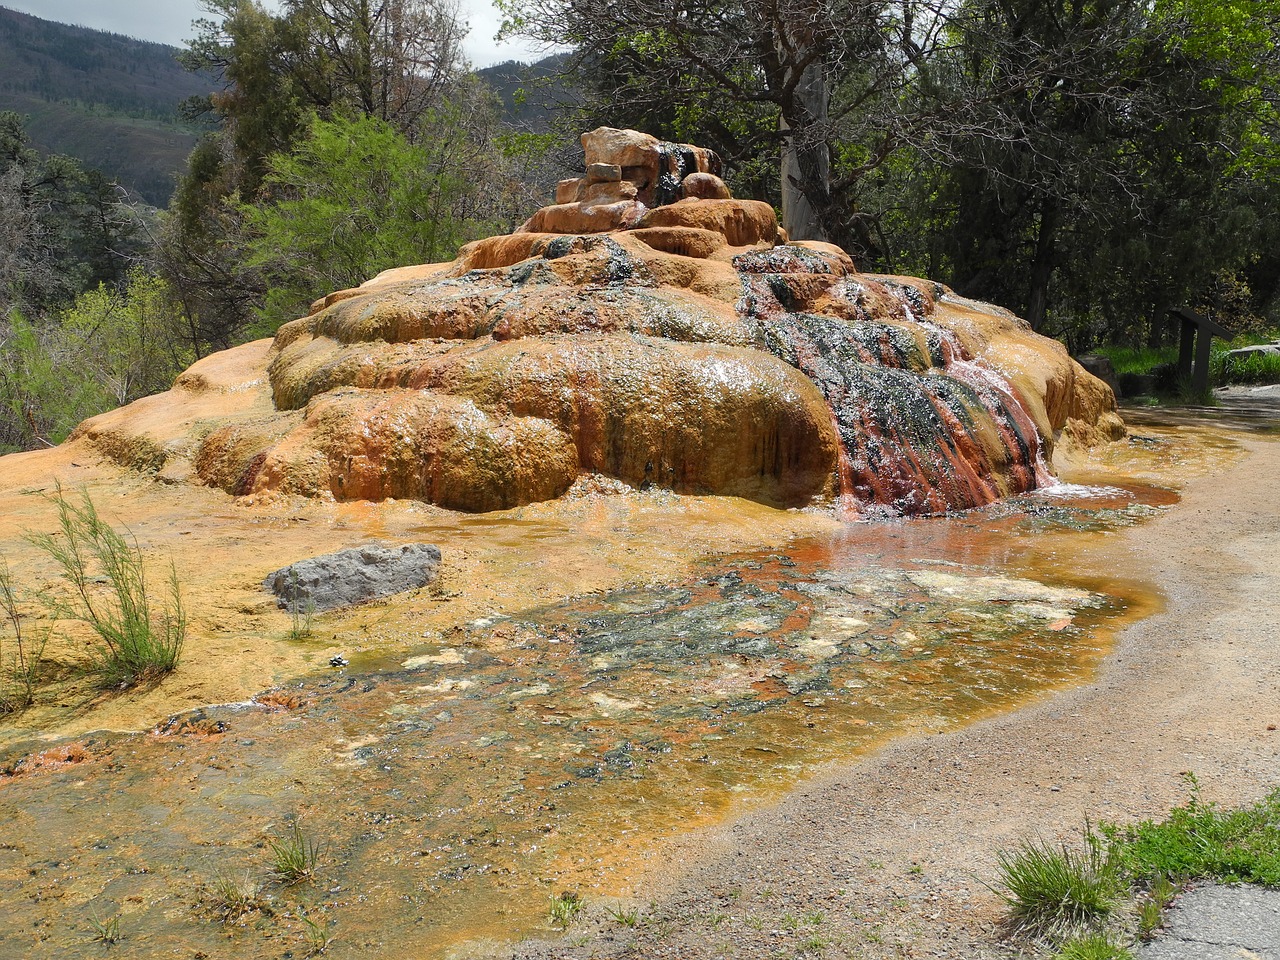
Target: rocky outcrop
651,328
354,575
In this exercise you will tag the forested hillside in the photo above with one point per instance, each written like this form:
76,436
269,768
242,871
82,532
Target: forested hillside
110,101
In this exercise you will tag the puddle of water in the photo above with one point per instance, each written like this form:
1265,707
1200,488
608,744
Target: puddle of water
454,792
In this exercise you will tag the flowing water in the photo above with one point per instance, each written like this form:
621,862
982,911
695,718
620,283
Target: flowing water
513,758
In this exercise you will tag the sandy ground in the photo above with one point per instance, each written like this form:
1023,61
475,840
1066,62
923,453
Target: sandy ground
888,857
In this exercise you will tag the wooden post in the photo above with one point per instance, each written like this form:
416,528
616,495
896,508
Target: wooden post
1186,349
1198,330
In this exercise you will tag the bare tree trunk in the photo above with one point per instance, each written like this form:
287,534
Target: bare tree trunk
806,159
1042,265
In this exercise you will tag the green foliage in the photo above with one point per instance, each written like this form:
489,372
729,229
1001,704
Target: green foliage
111,346
1054,892
234,898
1151,905
20,660
353,198
1136,359
41,390
625,916
1092,946
1251,368
1126,876
564,909
109,593
294,856
106,931
129,342
1201,841
315,934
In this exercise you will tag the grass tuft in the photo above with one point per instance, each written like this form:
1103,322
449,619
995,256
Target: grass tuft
234,898
564,909
1200,840
109,593
1054,892
625,916
315,934
106,931
1092,946
293,856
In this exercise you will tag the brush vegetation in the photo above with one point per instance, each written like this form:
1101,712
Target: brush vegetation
1093,902
139,641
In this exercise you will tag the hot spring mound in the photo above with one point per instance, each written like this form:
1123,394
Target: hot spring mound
649,328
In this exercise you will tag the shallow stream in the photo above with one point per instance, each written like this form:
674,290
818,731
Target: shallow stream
454,793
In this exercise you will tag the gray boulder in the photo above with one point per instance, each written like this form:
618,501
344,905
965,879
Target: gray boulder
354,576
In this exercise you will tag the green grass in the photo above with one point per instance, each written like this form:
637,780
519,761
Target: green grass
1054,892
109,592
1254,368
1092,946
626,916
1202,841
564,909
315,934
106,931
1091,903
234,898
293,856
1127,359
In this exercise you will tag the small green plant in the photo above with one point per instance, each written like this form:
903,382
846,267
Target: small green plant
109,593
315,934
20,664
813,944
1054,892
234,898
300,610
1092,946
1200,840
565,909
627,917
1140,360
293,856
105,931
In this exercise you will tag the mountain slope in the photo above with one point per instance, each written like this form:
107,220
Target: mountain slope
109,101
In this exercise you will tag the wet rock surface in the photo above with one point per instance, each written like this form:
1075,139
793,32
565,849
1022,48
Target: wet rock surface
354,575
649,328
522,753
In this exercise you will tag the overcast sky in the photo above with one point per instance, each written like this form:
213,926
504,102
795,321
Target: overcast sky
169,21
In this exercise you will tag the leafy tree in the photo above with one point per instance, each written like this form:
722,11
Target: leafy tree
341,62
352,199
110,347
795,79
62,228
1121,188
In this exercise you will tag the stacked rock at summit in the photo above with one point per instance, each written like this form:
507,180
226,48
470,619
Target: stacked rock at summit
647,327
629,175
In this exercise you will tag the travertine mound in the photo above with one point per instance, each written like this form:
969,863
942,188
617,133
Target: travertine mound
649,328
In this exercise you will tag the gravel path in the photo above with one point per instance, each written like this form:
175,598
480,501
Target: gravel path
888,857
